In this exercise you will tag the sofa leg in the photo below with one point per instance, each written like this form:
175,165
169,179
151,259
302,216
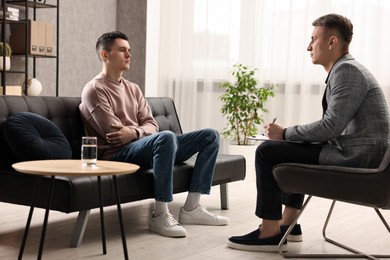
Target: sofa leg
79,228
223,189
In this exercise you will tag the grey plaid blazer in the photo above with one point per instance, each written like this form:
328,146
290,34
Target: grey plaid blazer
355,124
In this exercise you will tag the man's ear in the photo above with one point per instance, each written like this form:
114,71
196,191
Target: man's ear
333,42
104,55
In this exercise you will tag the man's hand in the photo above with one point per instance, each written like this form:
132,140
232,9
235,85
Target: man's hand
274,131
122,136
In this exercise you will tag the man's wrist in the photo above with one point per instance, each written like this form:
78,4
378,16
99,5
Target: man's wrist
136,133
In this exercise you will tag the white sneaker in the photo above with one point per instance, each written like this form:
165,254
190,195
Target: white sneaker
201,216
165,224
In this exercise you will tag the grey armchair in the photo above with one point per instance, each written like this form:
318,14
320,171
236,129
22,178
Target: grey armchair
366,187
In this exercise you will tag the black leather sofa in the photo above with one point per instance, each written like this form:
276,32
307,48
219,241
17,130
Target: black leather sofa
80,194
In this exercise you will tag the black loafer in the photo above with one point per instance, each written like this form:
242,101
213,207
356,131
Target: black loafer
295,234
250,242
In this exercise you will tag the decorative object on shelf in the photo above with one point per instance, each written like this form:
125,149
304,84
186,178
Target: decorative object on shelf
243,103
8,52
34,87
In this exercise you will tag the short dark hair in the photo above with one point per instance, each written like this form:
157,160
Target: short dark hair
338,22
106,41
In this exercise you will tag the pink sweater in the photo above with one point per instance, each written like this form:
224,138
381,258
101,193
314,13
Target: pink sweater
105,102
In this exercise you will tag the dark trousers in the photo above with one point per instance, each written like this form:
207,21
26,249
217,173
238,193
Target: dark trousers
270,153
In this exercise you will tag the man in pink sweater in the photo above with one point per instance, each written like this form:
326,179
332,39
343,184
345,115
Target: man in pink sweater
115,111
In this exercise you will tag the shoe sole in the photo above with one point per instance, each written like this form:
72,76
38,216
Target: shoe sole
257,248
295,238
199,223
151,228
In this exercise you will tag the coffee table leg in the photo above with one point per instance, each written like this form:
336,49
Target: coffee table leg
27,228
120,218
102,216
48,203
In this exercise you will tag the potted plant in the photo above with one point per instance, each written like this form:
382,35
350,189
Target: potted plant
243,104
5,48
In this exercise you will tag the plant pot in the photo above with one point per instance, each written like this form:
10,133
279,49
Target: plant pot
248,151
7,63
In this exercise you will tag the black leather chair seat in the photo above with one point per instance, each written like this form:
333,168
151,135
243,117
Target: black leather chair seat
365,187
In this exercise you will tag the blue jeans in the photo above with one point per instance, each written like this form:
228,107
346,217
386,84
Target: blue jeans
162,150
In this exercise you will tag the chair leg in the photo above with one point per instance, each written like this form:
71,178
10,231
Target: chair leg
382,219
292,255
79,228
223,190
337,243
356,253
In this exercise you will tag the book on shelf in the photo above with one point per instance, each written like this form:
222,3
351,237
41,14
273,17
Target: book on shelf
10,15
13,10
11,90
10,18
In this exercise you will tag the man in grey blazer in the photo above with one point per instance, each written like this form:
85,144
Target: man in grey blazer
353,131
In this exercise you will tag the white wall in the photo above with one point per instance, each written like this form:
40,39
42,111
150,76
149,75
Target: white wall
152,45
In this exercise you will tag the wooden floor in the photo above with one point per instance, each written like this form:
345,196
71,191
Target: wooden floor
358,226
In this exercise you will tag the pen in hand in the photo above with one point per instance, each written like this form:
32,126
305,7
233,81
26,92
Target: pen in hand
273,122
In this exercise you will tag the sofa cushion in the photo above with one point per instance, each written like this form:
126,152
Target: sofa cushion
33,137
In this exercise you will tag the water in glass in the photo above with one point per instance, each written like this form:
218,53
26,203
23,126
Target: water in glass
89,154
89,151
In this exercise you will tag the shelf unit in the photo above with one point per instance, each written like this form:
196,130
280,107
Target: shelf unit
27,5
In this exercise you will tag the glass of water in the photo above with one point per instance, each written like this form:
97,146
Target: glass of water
89,150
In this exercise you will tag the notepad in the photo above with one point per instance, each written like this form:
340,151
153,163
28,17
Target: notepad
262,137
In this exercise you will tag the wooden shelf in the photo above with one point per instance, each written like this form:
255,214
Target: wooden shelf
12,21
31,4
12,71
33,55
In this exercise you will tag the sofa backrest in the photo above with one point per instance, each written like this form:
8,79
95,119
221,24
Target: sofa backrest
64,112
164,111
